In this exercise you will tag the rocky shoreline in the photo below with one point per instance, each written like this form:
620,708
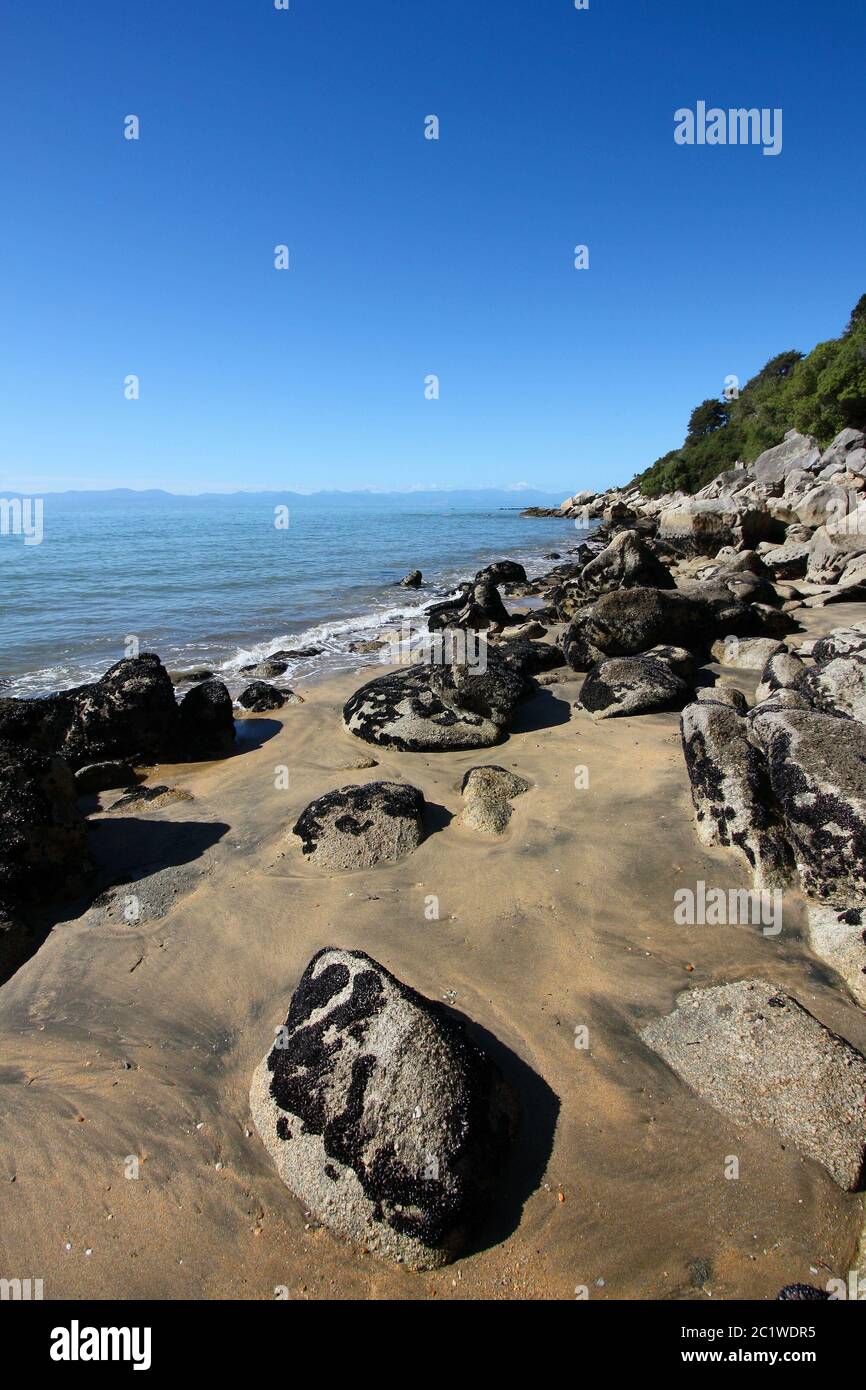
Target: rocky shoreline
397,1124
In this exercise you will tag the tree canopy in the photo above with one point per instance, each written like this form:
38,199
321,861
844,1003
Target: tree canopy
819,394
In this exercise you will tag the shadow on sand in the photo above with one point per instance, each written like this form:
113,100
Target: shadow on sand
544,710
125,848
538,1112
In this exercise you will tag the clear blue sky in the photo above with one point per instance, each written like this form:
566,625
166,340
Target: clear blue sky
408,256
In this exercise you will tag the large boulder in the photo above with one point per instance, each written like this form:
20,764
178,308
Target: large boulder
43,837
578,651
528,657
756,1054
103,777
384,1119
788,561
429,708
622,685
627,563
848,451
816,764
207,724
628,621
842,641
723,695
837,686
503,572
357,827
702,525
797,451
745,653
783,671
129,713
825,504
838,936
829,557
731,790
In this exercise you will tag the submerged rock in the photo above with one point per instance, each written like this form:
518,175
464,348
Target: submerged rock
357,827
383,1118
755,1053
268,669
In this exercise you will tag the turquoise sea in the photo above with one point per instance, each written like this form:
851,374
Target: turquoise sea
213,581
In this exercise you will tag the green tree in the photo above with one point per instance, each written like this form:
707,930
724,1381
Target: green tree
706,418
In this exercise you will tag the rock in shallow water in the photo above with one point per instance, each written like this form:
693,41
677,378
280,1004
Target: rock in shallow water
383,1118
357,827
755,1053
130,712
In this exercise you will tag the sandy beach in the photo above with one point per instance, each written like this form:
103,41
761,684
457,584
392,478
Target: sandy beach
130,1167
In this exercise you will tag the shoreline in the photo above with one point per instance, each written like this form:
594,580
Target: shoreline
132,1039
333,633
577,930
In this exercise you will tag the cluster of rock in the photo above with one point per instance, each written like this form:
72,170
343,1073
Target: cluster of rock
718,576
87,739
684,581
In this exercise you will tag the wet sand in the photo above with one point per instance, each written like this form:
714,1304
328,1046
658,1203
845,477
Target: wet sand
125,1040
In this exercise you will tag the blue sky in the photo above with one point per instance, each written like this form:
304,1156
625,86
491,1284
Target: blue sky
408,256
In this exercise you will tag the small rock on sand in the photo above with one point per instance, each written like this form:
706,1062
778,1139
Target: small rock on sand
357,827
755,1053
487,793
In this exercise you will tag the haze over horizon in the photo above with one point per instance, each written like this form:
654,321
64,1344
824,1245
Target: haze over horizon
408,257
